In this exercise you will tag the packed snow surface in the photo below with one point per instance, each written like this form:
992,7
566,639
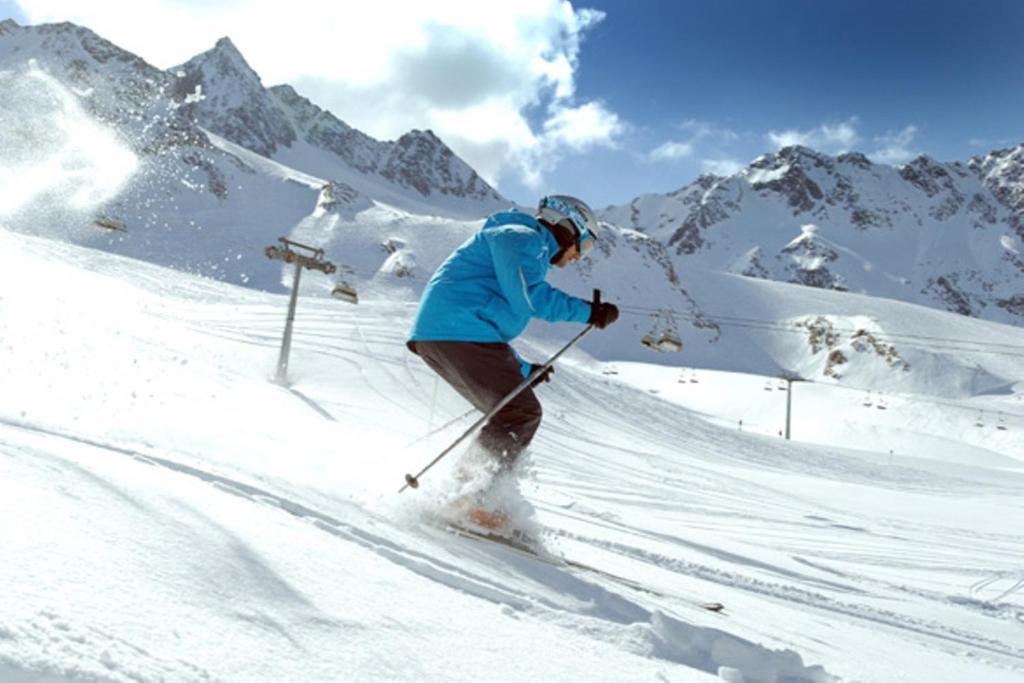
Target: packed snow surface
172,514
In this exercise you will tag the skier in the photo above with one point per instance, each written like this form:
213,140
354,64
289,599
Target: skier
481,298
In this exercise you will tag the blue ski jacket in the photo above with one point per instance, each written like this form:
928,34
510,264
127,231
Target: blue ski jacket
489,288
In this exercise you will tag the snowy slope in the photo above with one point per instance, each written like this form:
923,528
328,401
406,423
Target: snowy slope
175,515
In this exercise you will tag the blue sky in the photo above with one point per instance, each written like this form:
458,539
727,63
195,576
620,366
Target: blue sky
890,79
610,99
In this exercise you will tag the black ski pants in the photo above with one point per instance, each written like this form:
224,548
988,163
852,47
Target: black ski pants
484,373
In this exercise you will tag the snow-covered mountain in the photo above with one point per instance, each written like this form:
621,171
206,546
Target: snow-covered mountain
227,97
217,167
943,234
223,166
193,186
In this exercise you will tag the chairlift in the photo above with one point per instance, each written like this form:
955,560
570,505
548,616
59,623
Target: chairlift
664,335
980,422
1001,426
691,379
767,386
664,343
867,401
346,292
110,223
344,289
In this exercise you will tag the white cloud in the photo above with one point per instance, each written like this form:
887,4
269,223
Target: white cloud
583,127
722,167
389,66
895,147
700,134
832,138
670,151
705,129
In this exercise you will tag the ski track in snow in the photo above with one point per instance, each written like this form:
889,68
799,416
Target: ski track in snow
603,609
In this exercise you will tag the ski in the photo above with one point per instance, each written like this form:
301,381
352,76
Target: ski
525,545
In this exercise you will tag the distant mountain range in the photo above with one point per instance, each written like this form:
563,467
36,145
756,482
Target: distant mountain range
226,163
949,235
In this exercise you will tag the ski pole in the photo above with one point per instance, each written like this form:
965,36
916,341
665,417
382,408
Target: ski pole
413,481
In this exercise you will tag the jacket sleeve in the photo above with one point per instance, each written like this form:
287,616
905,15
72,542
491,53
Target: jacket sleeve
524,365
520,265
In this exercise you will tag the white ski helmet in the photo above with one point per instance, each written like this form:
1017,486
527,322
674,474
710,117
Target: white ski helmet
570,219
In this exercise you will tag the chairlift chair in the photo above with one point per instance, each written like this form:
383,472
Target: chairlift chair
344,289
663,336
670,343
346,292
110,223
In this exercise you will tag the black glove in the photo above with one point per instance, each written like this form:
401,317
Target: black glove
542,377
603,314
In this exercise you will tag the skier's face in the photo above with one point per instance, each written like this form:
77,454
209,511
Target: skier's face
568,256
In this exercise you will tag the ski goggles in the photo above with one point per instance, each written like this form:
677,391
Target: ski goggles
584,237
585,242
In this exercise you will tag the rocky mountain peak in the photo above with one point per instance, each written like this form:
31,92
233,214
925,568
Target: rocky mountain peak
114,85
706,181
419,137
1002,172
225,47
419,159
223,62
785,173
796,156
63,44
227,96
855,159
928,175
796,152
